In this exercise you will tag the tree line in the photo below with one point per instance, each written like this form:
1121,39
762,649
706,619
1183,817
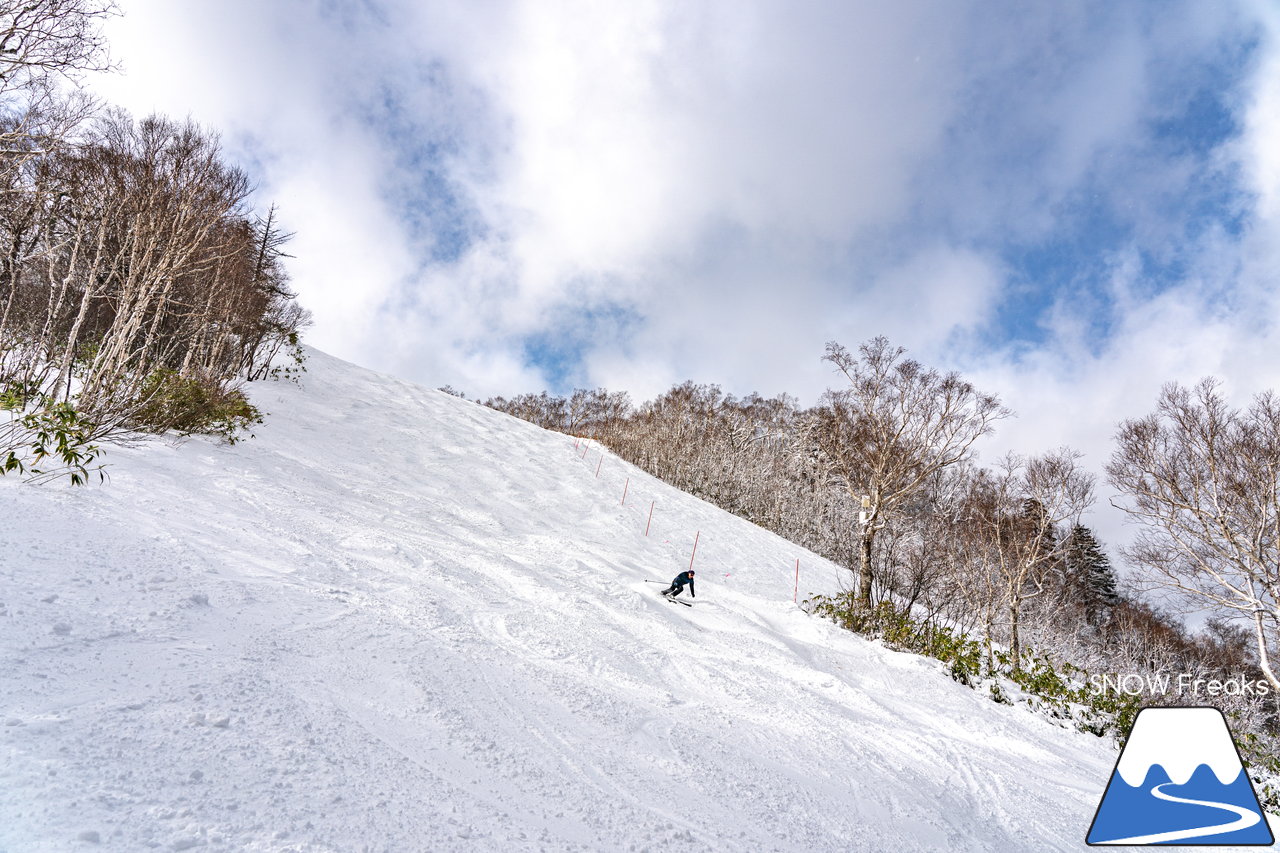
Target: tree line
882,476
137,286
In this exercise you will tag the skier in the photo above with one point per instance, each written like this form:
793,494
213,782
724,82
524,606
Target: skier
677,585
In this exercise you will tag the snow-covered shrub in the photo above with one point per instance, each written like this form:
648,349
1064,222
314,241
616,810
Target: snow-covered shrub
897,629
193,404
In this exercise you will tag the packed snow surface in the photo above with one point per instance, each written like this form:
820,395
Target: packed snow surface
396,620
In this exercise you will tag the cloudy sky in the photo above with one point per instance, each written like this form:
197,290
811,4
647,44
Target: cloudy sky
1071,203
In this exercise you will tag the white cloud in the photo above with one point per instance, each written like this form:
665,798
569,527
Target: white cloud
1261,154
267,88
712,191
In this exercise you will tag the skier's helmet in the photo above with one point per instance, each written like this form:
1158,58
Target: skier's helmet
691,573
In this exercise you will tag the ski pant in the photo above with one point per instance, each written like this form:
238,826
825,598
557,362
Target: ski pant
673,590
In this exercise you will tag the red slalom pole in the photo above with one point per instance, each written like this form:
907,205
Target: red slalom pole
695,548
584,450
650,521
795,597
625,486
598,464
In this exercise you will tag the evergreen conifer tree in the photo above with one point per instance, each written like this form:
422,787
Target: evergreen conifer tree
1089,568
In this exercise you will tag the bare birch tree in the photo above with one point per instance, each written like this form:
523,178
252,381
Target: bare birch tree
41,38
1202,481
891,429
1024,502
43,42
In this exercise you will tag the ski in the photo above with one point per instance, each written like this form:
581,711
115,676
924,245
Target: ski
678,601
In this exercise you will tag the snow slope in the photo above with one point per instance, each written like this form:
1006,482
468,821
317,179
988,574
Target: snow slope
397,620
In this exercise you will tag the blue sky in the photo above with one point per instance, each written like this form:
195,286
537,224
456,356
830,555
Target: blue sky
1072,203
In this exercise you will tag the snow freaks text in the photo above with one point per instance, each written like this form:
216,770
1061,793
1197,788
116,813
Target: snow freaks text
1185,684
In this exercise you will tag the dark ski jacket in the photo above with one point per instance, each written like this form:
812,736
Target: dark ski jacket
682,579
